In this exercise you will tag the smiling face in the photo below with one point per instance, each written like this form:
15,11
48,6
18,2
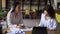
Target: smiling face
17,9
45,12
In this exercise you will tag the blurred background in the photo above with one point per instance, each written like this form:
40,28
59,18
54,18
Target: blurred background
31,10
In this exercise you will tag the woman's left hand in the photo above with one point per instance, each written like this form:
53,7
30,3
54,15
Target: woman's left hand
46,17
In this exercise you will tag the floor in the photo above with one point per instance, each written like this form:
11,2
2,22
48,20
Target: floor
31,22
35,22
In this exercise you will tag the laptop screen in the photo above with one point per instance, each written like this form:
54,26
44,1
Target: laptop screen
39,30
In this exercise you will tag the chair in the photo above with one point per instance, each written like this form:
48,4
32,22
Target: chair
27,13
39,30
58,17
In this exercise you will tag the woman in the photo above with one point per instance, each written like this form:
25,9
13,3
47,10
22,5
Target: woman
14,19
14,16
48,18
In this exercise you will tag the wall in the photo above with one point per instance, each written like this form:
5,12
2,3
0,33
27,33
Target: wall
58,0
55,3
0,4
3,4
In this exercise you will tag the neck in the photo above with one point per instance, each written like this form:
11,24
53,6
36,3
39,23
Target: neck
16,12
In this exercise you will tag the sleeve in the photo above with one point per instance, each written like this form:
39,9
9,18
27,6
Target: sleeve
8,17
42,16
21,18
41,24
52,25
41,20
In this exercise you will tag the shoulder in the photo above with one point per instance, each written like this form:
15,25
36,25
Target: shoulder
42,14
9,13
53,20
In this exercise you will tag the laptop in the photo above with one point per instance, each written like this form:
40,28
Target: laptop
39,30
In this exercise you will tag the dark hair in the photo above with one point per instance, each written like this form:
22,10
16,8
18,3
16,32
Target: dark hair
14,5
50,11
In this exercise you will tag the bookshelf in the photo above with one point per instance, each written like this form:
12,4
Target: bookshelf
30,4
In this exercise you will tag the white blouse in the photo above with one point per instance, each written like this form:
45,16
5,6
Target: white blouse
50,23
8,17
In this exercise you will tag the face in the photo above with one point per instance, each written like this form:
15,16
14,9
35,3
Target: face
45,12
17,9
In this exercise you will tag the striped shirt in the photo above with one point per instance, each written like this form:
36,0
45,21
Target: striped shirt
50,23
16,18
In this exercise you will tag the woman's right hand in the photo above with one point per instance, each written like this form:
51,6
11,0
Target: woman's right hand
20,26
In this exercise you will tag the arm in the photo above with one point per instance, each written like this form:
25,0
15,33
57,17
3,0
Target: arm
20,18
8,17
41,24
52,24
41,20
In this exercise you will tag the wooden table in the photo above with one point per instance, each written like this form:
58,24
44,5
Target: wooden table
30,31
49,32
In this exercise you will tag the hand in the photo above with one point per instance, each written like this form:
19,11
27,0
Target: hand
46,17
20,26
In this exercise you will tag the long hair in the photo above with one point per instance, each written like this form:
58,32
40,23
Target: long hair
14,6
50,11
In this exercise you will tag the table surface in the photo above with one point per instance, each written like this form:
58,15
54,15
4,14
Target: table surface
29,31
